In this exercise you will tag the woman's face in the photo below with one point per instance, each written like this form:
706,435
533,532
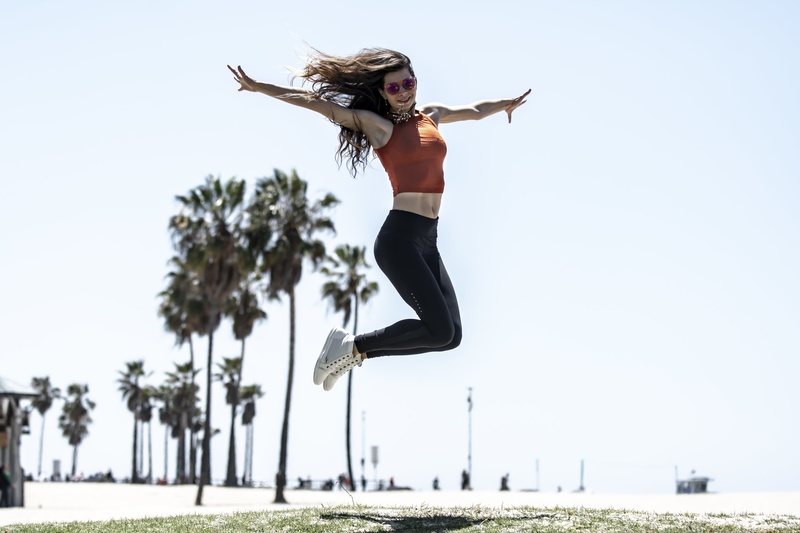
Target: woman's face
400,89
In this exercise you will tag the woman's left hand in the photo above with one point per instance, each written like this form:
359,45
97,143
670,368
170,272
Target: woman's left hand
246,83
515,103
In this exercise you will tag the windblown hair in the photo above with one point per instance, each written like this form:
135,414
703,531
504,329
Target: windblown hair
353,81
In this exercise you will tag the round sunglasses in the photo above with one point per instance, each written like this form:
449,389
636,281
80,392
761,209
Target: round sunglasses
407,84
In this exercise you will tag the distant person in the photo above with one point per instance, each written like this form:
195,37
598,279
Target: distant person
372,97
504,482
465,481
5,487
363,484
436,483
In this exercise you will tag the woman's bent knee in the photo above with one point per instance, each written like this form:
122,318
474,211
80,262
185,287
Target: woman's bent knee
447,338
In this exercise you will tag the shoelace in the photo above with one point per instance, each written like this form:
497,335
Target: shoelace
344,363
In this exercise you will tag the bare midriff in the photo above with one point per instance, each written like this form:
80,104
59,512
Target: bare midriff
426,204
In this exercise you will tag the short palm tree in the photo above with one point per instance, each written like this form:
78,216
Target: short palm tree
185,314
42,403
283,228
132,392
347,287
244,311
249,395
149,393
163,394
205,234
229,371
75,418
183,403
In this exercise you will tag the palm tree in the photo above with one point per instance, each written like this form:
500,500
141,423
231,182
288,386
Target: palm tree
205,235
164,395
244,310
183,403
42,403
185,314
75,419
146,416
347,287
132,392
249,394
229,371
282,229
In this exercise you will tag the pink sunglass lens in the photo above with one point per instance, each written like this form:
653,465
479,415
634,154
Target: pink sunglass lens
394,88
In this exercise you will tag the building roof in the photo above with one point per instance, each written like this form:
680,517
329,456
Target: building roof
12,389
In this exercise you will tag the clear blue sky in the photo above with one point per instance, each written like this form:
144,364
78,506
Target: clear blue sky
626,252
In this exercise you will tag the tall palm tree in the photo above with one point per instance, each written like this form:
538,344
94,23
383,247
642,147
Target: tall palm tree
185,314
205,234
282,228
132,392
229,371
75,418
347,287
42,403
183,402
249,395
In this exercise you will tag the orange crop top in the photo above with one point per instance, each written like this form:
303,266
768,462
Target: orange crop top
414,156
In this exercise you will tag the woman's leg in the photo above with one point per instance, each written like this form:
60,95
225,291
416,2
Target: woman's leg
411,261
448,292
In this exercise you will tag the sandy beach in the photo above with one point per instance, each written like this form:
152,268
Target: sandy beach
65,502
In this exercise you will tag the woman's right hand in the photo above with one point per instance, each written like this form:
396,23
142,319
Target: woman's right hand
245,82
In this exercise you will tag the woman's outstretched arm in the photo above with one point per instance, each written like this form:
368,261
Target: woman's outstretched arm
475,111
355,119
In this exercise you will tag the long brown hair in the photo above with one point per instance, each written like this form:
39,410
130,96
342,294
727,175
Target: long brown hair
353,81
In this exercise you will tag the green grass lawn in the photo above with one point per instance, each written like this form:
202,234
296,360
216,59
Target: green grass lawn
440,519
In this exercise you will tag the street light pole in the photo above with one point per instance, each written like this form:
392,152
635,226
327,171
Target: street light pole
469,446
363,444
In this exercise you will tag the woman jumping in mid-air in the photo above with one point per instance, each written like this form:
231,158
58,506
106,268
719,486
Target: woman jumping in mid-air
372,96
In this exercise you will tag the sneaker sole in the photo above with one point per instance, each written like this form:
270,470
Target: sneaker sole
320,375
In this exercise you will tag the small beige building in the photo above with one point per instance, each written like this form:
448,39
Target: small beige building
13,424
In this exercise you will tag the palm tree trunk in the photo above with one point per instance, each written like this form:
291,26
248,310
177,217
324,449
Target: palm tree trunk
193,440
150,452
166,453
230,478
41,447
134,473
140,469
193,434
74,460
247,475
280,477
180,467
205,464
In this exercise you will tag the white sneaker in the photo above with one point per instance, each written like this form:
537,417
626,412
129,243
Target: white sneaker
336,351
345,365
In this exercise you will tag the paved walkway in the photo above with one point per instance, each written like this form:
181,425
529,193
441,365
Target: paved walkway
65,502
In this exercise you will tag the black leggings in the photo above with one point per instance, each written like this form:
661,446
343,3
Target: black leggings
406,252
